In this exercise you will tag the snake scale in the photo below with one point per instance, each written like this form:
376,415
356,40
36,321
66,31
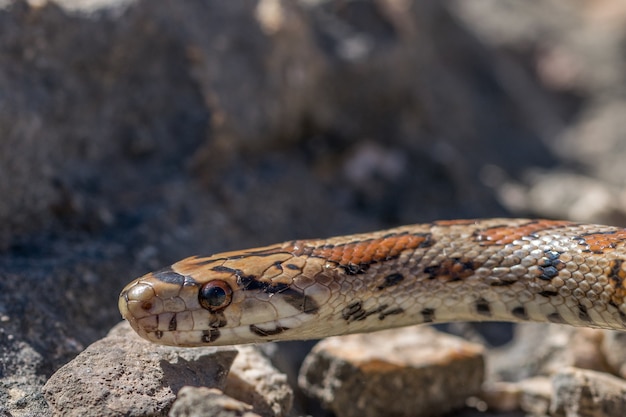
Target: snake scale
457,270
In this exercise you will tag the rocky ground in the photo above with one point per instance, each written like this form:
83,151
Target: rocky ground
135,133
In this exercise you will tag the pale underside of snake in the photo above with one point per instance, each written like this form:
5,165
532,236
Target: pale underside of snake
444,271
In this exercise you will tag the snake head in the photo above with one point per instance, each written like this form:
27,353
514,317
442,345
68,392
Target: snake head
225,299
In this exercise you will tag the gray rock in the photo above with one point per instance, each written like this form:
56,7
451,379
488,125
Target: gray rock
124,375
584,393
255,381
544,349
410,371
202,401
614,351
536,394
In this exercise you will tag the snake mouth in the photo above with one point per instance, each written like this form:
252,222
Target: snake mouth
269,331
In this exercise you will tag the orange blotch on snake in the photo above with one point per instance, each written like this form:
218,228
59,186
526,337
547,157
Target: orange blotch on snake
601,242
460,222
503,235
372,250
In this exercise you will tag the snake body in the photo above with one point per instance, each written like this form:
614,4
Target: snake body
459,270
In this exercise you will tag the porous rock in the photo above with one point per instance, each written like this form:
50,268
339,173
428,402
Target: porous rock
254,380
203,401
544,349
124,375
614,351
409,371
531,395
585,393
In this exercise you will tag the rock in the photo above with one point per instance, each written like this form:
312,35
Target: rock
531,395
536,394
584,393
202,401
408,371
614,351
543,349
501,396
124,375
255,381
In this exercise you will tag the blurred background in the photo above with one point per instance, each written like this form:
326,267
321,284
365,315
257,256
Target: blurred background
134,133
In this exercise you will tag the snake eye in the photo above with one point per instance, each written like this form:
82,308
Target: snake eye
215,295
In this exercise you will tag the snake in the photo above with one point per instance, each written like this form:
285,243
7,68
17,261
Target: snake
499,269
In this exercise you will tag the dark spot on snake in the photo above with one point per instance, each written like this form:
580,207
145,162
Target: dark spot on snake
547,273
218,319
264,333
293,267
356,312
278,265
428,315
227,270
555,318
391,280
452,269
292,297
551,265
617,274
172,326
362,314
503,282
482,307
300,301
168,276
391,312
272,250
520,313
351,309
205,261
547,293
158,334
355,269
210,335
583,314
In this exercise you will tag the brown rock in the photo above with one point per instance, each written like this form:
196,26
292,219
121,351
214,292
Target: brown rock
202,401
254,380
123,375
409,371
585,393
544,349
531,395
614,351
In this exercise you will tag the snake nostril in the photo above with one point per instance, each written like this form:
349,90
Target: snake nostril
146,305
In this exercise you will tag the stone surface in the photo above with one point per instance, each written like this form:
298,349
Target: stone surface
614,351
584,393
123,375
530,395
255,381
202,401
536,395
410,371
544,349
